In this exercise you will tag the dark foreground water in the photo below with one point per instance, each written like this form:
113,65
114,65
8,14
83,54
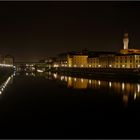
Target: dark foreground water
53,106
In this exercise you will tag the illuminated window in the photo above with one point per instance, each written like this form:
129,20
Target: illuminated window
123,66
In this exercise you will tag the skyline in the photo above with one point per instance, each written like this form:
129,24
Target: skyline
35,30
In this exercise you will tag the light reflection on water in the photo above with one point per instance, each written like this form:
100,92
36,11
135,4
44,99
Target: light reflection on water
126,90
9,80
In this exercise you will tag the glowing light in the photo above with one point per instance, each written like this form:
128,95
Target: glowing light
56,65
75,66
82,80
110,65
122,86
135,96
39,70
66,78
81,65
33,68
55,75
69,78
89,65
123,66
89,81
5,83
69,65
62,78
75,79
6,65
99,82
110,84
99,65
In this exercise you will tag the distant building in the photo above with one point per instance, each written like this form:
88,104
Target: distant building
8,59
127,61
73,59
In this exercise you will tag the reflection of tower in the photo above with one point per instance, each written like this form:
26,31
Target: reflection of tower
125,41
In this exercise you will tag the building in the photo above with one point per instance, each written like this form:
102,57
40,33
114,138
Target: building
79,60
8,60
126,58
72,59
127,61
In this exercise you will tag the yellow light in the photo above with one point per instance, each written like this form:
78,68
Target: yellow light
99,82
62,78
69,78
89,81
55,75
135,96
56,65
122,86
110,84
39,70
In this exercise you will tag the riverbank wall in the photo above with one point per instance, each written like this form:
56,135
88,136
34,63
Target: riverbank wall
100,72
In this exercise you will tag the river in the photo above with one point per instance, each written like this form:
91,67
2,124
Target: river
58,106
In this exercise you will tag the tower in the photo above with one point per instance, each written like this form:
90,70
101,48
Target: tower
125,41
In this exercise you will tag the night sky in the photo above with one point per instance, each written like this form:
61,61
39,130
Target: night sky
35,30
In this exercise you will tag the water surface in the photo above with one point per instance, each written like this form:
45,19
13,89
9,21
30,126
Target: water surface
58,106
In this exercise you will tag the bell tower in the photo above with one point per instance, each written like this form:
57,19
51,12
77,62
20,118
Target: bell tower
125,41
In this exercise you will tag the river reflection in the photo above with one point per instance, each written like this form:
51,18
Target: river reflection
3,86
127,90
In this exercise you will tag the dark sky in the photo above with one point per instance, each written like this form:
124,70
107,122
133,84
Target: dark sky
35,30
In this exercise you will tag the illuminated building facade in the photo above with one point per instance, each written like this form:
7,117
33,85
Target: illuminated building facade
79,60
126,58
127,61
93,61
